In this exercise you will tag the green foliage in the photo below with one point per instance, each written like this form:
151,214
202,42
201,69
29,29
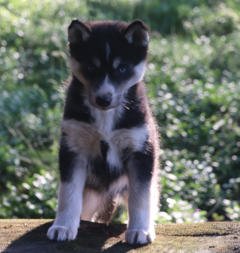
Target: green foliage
193,83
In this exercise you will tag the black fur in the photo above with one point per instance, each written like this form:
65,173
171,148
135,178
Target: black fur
74,105
66,161
104,148
102,175
134,109
143,162
113,33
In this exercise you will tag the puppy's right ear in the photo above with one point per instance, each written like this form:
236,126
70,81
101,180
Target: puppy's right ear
137,33
78,31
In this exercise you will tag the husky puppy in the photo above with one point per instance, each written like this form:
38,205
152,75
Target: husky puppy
109,144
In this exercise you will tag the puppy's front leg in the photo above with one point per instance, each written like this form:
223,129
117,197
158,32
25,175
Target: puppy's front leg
141,200
65,226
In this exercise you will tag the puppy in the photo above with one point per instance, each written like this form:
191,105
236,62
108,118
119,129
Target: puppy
109,143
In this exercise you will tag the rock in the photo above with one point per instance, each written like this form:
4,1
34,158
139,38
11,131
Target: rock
29,235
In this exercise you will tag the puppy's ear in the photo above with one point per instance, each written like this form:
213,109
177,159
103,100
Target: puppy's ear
78,31
137,33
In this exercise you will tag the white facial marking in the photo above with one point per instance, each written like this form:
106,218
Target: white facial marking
106,87
139,71
116,62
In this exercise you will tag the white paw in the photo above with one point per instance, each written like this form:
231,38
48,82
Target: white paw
61,233
140,236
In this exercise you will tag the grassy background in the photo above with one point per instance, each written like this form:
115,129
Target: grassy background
193,83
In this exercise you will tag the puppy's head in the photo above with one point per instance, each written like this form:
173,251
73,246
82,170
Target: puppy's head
107,58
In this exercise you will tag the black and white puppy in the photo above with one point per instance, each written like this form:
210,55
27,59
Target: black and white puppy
109,143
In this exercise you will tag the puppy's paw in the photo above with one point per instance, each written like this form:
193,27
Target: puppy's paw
62,233
140,236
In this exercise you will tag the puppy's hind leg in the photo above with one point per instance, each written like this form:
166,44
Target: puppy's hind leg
92,203
98,206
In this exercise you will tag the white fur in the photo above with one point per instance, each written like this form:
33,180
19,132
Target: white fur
70,196
133,138
116,62
104,121
106,87
141,207
113,158
139,71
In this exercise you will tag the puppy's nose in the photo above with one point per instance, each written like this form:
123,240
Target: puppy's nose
104,100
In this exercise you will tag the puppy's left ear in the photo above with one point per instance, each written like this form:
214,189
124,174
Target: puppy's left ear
137,33
78,31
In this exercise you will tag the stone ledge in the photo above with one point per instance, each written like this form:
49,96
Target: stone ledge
29,235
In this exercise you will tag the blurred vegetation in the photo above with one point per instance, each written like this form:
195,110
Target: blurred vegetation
193,81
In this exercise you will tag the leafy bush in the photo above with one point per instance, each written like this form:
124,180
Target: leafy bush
192,79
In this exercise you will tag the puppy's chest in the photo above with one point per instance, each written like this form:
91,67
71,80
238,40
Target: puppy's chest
100,141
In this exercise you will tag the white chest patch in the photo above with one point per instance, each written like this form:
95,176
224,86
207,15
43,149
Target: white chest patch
104,121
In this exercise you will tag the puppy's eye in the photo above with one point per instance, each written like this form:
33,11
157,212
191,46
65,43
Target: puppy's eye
122,69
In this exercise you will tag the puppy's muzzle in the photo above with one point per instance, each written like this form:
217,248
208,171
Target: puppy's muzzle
104,100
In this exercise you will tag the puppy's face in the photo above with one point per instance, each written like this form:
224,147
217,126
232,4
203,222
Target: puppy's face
107,58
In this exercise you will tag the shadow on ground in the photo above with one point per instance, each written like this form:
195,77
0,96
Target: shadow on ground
29,236
91,238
